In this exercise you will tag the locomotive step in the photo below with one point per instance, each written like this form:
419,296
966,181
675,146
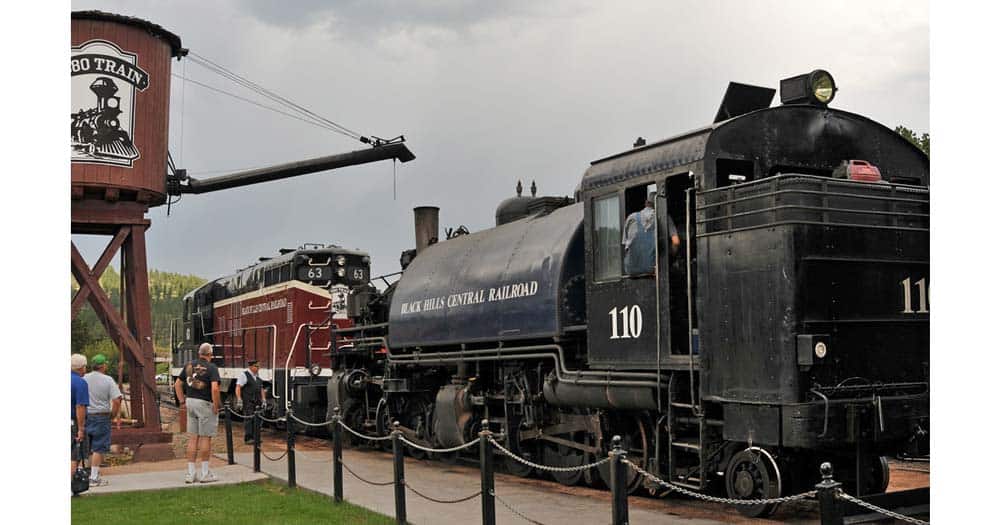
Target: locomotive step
686,445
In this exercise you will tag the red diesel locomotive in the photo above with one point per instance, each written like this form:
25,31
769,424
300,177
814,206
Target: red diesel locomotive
278,311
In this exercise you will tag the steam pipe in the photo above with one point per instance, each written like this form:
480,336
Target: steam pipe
397,151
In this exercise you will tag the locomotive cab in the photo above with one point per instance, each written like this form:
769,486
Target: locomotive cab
795,309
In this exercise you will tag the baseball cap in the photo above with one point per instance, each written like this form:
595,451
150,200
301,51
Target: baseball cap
252,362
98,360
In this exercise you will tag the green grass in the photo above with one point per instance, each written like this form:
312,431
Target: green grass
243,504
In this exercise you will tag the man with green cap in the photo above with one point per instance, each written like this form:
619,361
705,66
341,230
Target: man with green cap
105,400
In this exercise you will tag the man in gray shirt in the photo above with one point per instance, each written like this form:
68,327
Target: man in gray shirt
105,401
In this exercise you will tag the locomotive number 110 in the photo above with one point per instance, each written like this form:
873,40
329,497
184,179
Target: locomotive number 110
631,317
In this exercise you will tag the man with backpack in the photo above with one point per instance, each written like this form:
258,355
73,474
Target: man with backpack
197,389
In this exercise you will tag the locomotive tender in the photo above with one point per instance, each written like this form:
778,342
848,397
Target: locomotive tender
790,327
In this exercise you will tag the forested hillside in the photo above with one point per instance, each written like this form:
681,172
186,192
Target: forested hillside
166,291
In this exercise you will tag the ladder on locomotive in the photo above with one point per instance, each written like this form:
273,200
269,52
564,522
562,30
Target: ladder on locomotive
689,431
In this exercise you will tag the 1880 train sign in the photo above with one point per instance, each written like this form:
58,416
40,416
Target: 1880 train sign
105,79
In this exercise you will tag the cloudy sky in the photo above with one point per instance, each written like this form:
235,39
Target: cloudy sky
486,93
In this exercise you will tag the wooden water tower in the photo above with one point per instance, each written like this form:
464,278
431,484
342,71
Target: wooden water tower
120,75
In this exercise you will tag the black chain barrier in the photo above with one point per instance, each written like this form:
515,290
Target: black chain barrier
514,511
885,512
363,480
443,501
828,492
279,458
237,414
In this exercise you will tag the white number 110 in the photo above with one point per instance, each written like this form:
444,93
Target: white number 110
908,300
631,322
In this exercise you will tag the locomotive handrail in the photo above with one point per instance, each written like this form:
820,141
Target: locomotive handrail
757,211
786,177
826,411
328,261
499,351
630,378
291,352
877,387
862,196
324,307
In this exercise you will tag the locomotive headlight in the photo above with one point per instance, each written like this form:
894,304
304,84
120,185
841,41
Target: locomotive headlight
314,370
822,85
817,88
341,260
820,349
341,272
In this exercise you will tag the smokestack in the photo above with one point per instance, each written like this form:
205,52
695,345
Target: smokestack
425,226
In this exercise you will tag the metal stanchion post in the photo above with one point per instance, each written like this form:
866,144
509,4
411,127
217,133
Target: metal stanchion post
830,510
338,456
619,491
486,469
229,434
290,426
256,439
397,474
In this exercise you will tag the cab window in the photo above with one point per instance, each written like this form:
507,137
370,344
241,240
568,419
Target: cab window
607,238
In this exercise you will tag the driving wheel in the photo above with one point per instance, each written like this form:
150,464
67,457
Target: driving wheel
753,474
635,442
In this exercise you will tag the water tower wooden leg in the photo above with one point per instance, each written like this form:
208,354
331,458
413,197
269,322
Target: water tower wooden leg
139,315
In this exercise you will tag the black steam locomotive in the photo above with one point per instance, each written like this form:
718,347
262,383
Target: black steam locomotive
782,321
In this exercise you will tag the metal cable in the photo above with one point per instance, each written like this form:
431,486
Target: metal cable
444,501
363,436
257,88
510,508
730,501
260,90
862,503
438,450
308,424
255,103
546,467
279,458
373,483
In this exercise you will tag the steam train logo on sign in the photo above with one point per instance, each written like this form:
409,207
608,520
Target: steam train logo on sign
104,82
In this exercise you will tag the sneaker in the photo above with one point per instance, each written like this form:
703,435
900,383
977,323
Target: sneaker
189,478
210,477
98,482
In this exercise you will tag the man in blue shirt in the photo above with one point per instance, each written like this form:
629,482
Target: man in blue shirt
639,239
79,400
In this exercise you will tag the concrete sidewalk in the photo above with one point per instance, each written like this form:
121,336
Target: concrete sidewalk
173,479
551,505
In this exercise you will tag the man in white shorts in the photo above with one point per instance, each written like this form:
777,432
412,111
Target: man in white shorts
197,389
